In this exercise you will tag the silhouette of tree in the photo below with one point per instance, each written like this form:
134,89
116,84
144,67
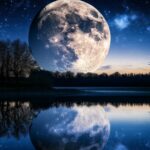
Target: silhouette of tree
8,59
23,63
15,59
2,58
15,118
69,74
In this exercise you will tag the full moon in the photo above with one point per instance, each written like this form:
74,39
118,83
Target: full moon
69,35
70,128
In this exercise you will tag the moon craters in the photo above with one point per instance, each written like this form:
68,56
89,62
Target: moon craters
69,36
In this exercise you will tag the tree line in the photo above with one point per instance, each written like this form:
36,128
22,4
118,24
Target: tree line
91,79
15,59
16,62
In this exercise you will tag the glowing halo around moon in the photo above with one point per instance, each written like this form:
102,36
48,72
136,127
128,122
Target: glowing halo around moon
69,35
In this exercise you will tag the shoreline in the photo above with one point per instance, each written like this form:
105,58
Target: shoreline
70,92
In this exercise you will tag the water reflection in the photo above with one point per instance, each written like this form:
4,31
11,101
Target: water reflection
41,125
130,127
15,118
76,127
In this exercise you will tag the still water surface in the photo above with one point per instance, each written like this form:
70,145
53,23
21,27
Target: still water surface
33,126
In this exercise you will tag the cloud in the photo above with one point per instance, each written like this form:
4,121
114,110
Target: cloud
148,28
120,147
107,67
129,66
124,20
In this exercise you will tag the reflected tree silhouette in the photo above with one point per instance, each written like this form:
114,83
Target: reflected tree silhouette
15,118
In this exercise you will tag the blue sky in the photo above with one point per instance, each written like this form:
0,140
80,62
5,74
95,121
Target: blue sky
129,22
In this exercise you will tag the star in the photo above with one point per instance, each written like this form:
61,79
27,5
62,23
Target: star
6,19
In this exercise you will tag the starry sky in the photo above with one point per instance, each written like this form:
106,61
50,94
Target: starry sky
129,22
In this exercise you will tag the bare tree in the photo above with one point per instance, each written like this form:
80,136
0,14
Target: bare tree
15,59
8,64
23,62
2,58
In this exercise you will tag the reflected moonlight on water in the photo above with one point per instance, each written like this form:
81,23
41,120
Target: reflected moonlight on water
70,128
69,35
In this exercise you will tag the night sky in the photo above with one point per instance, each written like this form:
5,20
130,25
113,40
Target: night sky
129,22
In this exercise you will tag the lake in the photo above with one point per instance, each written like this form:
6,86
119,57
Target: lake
45,125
